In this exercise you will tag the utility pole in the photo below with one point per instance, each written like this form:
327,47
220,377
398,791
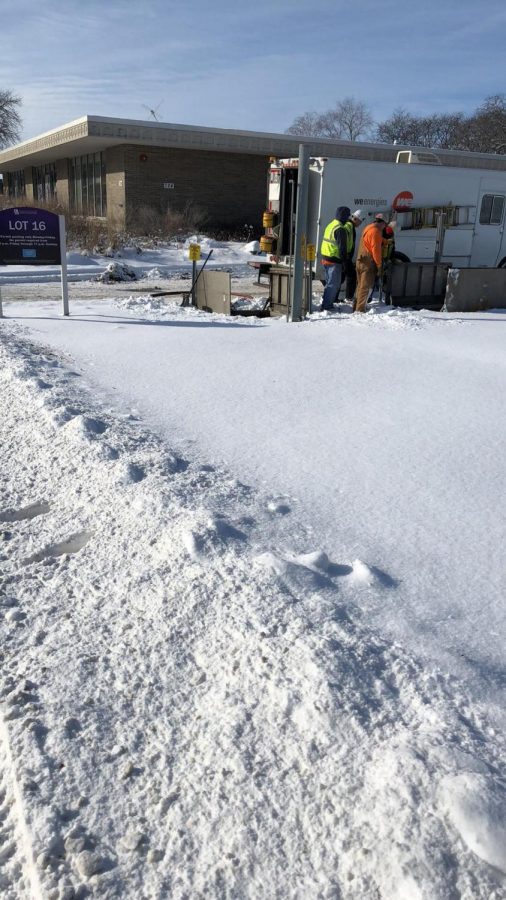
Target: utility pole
299,256
440,236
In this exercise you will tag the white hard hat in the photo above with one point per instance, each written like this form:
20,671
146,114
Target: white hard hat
357,215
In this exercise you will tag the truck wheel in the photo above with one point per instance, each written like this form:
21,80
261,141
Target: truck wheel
401,257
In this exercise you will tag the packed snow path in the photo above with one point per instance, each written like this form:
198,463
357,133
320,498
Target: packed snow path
193,710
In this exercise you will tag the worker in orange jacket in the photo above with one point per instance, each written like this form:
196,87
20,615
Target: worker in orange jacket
369,260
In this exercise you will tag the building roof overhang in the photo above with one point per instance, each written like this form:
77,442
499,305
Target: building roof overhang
91,134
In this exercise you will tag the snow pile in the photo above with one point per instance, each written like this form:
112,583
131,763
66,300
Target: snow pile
146,304
253,247
253,304
156,272
117,271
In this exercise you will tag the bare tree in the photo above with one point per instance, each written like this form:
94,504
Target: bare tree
443,130
10,120
440,130
485,131
348,120
307,124
400,128
353,119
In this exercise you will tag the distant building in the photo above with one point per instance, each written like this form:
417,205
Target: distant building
110,168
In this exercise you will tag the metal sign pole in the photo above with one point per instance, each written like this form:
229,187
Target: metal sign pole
194,279
300,235
194,255
63,265
1,308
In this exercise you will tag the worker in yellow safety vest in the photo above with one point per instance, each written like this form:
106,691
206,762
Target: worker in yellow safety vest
334,254
351,226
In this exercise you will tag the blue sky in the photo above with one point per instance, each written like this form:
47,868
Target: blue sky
248,65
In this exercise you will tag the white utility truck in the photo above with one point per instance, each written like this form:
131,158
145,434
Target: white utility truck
447,206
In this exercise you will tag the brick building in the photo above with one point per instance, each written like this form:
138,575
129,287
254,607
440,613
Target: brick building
110,168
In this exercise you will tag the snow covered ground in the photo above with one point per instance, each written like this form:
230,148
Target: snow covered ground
252,601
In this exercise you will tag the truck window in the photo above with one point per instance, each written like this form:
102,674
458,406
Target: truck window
492,208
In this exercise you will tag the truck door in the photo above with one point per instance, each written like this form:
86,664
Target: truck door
489,225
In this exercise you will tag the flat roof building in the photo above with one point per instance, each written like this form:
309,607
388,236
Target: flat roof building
113,168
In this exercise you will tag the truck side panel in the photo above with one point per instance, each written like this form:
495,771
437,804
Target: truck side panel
394,189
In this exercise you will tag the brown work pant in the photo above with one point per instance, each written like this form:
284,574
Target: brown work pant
366,275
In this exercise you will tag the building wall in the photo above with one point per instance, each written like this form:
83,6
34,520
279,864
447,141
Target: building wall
218,189
230,188
62,182
115,186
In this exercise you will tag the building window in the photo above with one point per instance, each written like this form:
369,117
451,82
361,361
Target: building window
44,183
492,207
16,183
87,185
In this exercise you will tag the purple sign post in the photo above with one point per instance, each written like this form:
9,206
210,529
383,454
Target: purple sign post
34,237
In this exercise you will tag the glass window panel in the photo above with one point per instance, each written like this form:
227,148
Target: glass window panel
90,183
486,209
16,183
87,184
84,184
497,211
79,186
103,180
98,185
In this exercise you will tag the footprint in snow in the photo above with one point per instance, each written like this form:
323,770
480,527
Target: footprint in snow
130,473
72,544
215,535
278,507
64,414
94,426
26,512
105,451
172,465
72,728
